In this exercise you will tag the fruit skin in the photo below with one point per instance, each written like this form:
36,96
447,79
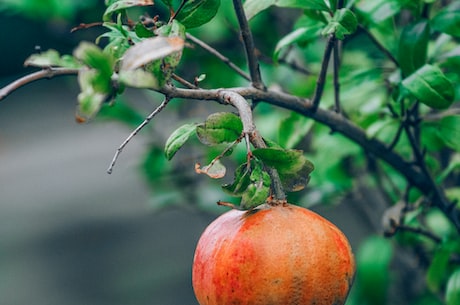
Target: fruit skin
272,255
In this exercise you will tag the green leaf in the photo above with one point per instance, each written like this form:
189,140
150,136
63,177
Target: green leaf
430,136
429,85
379,125
453,288
306,29
372,263
172,29
449,131
240,182
122,112
143,32
288,40
198,12
448,20
253,7
292,166
452,168
258,190
255,195
51,58
92,56
123,4
178,138
413,46
300,35
120,39
293,129
453,194
438,223
215,169
284,160
343,23
439,266
168,3
90,98
251,183
221,127
155,166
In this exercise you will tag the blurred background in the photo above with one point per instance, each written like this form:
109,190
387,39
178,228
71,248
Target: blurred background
69,232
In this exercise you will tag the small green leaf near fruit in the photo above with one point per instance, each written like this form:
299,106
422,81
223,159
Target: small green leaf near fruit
221,127
178,138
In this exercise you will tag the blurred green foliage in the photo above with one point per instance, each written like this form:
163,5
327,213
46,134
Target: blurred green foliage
47,9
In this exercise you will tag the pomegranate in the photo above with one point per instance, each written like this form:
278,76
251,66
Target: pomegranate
272,255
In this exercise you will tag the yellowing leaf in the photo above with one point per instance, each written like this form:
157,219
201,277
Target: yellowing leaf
215,169
150,50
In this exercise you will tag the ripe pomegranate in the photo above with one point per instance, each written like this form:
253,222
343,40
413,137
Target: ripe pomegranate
272,255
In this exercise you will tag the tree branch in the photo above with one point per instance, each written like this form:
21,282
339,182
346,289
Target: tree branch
320,82
29,78
220,56
434,191
136,131
336,60
381,47
249,129
249,45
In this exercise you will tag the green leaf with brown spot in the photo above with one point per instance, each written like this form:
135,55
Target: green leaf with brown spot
221,127
293,167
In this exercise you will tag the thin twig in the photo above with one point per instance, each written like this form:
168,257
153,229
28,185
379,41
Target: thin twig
397,136
420,231
183,81
321,81
249,45
435,116
295,66
435,192
136,131
29,78
219,55
291,64
85,26
415,120
377,43
181,6
336,61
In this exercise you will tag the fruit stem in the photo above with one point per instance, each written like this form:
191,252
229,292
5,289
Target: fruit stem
250,131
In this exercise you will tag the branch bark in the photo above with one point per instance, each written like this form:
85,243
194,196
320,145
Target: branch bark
27,79
220,56
249,46
322,74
